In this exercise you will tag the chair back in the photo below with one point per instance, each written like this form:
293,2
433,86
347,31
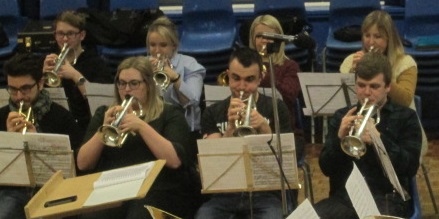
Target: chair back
10,17
202,15
280,7
421,18
133,4
416,203
347,12
49,9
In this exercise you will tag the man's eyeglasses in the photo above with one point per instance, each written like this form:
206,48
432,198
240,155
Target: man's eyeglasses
25,89
69,35
133,84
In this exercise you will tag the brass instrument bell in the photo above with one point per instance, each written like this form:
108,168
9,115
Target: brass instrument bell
111,134
242,126
52,78
160,77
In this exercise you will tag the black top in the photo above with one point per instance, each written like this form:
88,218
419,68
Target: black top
214,118
57,121
93,68
401,135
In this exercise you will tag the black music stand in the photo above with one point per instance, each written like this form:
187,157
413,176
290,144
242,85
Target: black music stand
324,93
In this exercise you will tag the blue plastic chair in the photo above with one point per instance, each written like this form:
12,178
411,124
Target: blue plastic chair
207,28
133,4
416,203
49,9
344,13
12,22
114,55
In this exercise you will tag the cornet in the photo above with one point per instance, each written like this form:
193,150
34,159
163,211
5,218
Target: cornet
28,115
242,127
223,79
263,53
111,134
160,77
52,78
352,144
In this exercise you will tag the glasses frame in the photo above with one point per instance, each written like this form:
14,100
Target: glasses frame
25,89
133,84
68,34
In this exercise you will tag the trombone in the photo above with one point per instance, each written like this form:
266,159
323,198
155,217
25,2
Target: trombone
27,114
352,144
52,78
160,77
242,126
111,134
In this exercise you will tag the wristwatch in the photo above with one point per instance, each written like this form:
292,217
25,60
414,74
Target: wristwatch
81,81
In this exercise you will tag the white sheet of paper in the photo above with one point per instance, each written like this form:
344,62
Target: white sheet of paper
119,184
360,194
304,210
13,165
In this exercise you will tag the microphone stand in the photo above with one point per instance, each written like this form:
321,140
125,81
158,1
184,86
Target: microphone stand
273,48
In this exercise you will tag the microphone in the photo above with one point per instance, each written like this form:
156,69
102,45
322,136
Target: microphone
301,40
275,36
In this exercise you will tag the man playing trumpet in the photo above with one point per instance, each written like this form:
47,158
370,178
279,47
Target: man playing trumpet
25,85
399,131
218,120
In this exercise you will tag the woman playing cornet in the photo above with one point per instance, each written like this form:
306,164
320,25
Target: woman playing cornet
81,64
160,134
185,74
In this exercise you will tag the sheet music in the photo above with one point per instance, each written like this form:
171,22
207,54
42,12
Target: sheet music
387,164
323,93
99,94
304,210
245,163
58,95
13,168
49,153
360,195
119,184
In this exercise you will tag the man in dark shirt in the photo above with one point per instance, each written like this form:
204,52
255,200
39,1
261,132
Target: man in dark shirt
26,85
398,129
218,121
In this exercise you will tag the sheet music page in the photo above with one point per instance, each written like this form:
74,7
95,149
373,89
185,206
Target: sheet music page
58,95
265,168
386,163
13,167
50,153
323,94
245,163
119,184
360,195
304,210
222,163
99,94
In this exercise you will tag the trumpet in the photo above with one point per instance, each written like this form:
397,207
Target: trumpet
352,144
52,78
160,77
27,114
111,134
242,126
